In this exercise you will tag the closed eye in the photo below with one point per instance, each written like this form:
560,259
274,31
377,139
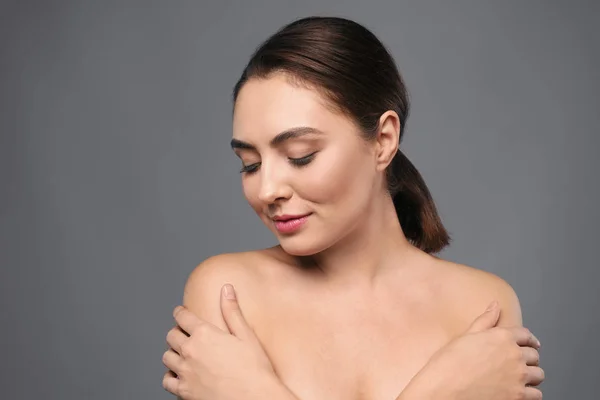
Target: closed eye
298,162
250,168
303,160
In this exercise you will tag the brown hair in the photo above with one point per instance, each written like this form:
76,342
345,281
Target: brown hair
354,70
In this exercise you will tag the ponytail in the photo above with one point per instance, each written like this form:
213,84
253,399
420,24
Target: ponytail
414,205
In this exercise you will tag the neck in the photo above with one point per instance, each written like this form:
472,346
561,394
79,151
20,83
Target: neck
374,245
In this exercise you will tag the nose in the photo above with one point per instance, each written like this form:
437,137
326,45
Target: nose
273,185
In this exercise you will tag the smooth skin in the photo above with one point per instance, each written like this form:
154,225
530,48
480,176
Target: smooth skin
345,307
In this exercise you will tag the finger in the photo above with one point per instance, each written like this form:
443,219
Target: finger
536,376
176,337
487,320
531,356
172,361
524,337
532,394
530,338
187,320
232,314
170,382
537,341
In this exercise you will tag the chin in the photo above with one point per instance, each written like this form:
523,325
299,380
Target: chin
301,245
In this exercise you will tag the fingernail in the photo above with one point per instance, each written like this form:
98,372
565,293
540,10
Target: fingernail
492,306
229,292
176,310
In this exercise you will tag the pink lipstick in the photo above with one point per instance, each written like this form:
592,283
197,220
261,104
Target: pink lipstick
289,223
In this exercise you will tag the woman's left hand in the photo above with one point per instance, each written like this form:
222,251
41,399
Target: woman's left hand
207,363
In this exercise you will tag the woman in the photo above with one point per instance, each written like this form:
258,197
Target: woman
352,303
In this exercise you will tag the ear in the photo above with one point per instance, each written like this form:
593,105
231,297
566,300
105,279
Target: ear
387,139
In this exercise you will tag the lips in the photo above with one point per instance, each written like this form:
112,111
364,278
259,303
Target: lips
290,223
287,217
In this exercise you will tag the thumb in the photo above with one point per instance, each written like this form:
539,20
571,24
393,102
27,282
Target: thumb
232,314
487,320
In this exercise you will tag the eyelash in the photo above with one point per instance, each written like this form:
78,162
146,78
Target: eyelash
297,162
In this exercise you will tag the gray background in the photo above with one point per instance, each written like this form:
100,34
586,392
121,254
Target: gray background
116,176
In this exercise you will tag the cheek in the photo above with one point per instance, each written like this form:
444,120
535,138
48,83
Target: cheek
337,180
250,189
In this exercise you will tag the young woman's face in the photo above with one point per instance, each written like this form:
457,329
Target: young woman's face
303,161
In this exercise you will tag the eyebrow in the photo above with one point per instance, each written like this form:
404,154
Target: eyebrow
288,134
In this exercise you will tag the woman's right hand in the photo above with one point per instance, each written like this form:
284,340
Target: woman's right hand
486,363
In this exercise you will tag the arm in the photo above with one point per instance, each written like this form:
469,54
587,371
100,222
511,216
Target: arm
202,289
202,296
272,390
434,383
510,307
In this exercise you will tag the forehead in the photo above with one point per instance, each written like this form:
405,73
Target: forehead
265,107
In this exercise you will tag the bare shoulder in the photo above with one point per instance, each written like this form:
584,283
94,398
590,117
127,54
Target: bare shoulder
202,291
470,290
